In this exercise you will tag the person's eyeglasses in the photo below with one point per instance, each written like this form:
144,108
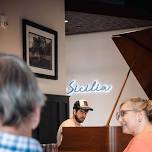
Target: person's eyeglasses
123,112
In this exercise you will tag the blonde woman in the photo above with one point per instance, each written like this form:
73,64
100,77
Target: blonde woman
135,117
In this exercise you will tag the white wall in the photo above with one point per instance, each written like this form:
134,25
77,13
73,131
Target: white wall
49,13
95,57
88,56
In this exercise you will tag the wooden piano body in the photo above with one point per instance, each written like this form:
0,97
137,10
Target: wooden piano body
94,139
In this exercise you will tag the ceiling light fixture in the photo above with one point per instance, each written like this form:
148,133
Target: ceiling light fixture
66,21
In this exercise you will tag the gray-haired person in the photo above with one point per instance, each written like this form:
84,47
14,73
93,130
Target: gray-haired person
20,106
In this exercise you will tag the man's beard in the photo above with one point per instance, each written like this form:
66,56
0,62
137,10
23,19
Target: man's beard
77,119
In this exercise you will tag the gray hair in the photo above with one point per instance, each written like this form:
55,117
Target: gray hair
141,104
19,93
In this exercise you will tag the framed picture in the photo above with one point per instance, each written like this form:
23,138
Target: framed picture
40,49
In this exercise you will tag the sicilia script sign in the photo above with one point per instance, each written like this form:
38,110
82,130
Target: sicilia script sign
93,87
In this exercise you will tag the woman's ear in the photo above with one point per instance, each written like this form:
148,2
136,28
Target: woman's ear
140,116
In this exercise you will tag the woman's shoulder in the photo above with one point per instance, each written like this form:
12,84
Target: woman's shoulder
145,135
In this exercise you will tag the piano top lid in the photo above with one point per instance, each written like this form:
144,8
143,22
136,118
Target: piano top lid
136,48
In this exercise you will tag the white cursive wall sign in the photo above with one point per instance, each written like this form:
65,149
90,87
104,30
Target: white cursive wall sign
93,87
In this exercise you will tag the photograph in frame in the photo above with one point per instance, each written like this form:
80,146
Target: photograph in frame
40,49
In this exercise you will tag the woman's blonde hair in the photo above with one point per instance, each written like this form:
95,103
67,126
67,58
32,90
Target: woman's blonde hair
141,104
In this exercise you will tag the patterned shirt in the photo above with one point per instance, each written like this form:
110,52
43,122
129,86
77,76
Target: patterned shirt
15,143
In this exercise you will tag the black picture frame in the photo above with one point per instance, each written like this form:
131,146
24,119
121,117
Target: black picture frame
40,49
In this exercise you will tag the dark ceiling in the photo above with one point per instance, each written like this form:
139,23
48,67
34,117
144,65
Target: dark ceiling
86,16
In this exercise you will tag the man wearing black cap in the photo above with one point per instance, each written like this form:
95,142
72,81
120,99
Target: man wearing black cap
80,110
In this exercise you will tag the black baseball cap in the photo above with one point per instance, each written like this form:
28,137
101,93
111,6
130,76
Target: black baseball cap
82,104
